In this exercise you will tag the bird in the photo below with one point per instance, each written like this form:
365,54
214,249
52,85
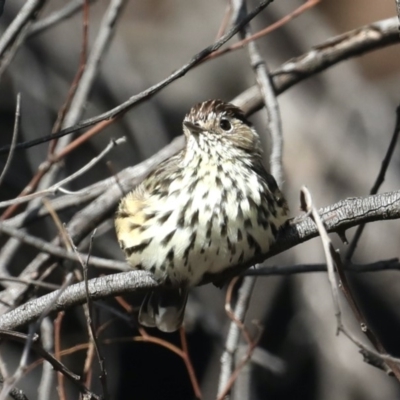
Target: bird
211,206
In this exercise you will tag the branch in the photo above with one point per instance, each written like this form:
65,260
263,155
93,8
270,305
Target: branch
56,251
378,182
13,140
334,261
323,56
24,18
57,365
340,216
58,187
99,288
272,270
56,17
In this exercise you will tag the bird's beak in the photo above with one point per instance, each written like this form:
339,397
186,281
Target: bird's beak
194,129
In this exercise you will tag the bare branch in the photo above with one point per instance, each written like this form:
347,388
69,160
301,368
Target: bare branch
58,366
56,17
99,288
100,46
16,33
23,18
13,140
90,323
272,270
308,207
378,182
56,251
323,56
333,259
57,187
46,335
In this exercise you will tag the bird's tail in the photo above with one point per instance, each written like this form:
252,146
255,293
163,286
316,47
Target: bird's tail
164,309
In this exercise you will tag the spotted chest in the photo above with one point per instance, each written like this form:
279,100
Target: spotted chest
205,218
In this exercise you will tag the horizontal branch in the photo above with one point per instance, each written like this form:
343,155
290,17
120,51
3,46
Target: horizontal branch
383,265
337,218
56,364
56,251
99,288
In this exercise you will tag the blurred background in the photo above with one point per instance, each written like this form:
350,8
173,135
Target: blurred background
337,126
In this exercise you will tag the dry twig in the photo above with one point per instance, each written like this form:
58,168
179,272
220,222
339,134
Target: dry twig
333,260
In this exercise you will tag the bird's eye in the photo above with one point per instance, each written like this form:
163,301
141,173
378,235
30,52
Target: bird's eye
225,125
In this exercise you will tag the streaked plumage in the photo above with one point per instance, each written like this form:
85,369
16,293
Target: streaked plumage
211,206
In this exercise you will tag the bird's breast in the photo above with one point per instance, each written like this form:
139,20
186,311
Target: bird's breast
209,218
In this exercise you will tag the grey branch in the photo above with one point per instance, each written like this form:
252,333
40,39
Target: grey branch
56,251
99,288
57,365
350,44
23,18
56,17
14,138
270,270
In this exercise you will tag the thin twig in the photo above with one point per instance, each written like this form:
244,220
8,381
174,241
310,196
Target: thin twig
15,35
52,190
225,21
48,167
46,381
92,330
274,124
307,206
188,364
378,182
24,17
57,354
276,25
14,138
279,270
232,339
56,17
252,344
33,282
351,44
333,259
58,366
56,251
31,338
131,176
183,353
